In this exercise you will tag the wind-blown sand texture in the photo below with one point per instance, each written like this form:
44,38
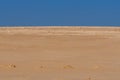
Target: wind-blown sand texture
60,53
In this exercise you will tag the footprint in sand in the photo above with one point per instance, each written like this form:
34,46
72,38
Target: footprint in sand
8,66
91,78
11,66
98,67
68,67
41,68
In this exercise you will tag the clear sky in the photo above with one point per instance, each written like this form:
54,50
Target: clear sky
60,12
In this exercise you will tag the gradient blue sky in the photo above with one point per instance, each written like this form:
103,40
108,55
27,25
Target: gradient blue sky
60,12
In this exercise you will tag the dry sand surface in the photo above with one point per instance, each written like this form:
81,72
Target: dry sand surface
60,53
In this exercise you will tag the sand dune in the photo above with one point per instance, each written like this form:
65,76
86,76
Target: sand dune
59,53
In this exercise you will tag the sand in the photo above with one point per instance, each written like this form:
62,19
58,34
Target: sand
60,53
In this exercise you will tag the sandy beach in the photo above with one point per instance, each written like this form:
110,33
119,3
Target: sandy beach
59,53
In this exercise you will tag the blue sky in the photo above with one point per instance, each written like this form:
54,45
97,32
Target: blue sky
59,12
